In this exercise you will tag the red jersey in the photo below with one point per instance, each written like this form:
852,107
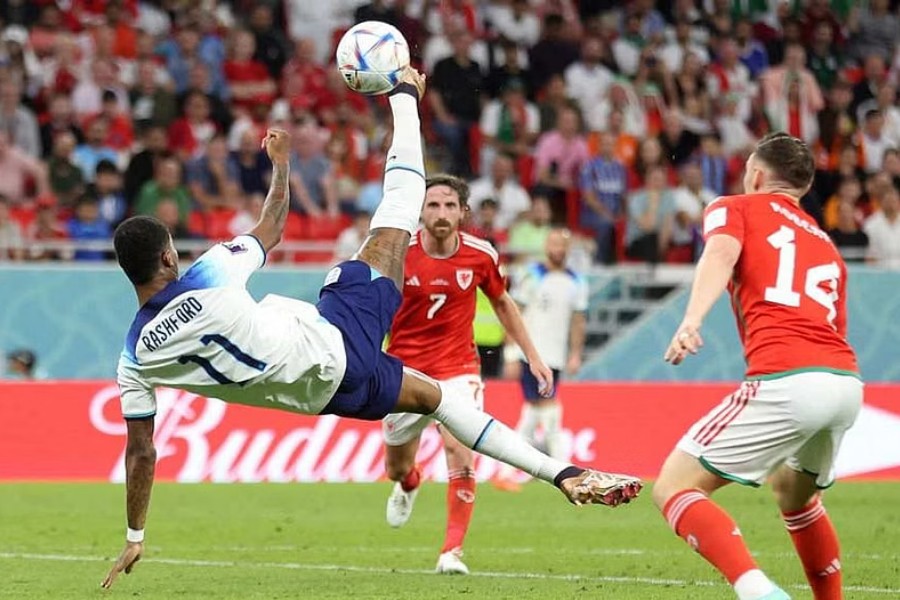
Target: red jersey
433,330
789,286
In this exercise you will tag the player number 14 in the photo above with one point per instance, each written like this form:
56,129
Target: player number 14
785,241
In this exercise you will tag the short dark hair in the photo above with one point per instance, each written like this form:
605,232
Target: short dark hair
106,166
86,198
457,184
139,243
788,157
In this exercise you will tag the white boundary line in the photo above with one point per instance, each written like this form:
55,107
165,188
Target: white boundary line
388,571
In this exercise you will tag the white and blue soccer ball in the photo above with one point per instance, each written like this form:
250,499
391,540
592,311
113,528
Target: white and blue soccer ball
372,57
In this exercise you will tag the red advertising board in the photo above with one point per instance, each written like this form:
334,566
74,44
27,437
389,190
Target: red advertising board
74,431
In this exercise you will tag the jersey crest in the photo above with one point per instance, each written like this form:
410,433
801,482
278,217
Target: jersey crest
464,278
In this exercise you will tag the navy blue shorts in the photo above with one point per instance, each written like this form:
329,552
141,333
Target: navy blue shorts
363,309
530,384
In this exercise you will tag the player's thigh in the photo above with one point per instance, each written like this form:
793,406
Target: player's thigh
827,404
401,428
749,434
471,389
385,251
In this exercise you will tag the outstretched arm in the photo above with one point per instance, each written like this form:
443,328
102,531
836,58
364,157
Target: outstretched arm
714,270
140,463
275,209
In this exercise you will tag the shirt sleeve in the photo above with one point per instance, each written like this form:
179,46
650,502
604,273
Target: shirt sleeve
493,284
724,216
523,290
229,264
581,294
137,398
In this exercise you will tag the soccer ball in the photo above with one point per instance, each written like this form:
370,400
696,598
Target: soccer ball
372,57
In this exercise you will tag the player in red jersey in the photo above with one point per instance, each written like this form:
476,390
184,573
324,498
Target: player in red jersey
432,333
802,390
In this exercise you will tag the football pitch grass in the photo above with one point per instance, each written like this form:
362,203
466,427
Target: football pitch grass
331,541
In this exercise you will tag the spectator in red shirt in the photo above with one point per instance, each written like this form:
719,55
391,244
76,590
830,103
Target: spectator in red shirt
189,134
302,76
333,95
248,79
45,227
120,133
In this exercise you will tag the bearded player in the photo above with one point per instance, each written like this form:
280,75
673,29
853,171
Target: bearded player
802,390
433,333
202,332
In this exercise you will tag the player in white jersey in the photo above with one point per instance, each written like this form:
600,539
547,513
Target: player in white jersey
203,332
554,300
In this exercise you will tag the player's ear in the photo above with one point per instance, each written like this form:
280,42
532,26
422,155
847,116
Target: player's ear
168,259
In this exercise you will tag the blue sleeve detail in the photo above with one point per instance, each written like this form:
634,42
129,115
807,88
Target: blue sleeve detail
539,270
575,276
405,168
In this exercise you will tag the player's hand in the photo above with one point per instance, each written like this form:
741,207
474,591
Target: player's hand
544,376
126,561
415,78
686,340
573,365
277,145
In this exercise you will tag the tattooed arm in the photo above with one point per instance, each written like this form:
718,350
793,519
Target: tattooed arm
275,209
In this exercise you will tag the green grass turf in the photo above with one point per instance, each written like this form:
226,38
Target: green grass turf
330,541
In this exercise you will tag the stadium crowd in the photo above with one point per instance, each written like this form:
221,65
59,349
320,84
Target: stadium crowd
621,120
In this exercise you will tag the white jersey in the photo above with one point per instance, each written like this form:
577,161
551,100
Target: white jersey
550,298
205,334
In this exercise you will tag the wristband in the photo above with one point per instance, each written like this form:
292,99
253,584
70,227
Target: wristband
134,536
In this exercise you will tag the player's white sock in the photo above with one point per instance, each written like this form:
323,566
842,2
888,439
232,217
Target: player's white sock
528,422
483,433
753,585
550,419
404,171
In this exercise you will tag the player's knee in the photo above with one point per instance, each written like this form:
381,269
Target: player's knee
662,491
792,490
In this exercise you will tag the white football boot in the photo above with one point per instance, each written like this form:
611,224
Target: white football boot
400,505
450,563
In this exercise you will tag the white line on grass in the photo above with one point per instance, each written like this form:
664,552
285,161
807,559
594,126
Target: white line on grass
386,571
520,550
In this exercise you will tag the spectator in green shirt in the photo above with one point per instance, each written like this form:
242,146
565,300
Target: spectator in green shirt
528,236
165,185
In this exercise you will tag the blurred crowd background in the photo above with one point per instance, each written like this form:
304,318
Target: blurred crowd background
619,119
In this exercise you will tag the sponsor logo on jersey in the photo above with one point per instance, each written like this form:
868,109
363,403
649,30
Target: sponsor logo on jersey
464,278
333,276
235,247
413,281
439,281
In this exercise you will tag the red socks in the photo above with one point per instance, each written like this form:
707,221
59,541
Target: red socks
460,503
412,480
710,531
816,542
